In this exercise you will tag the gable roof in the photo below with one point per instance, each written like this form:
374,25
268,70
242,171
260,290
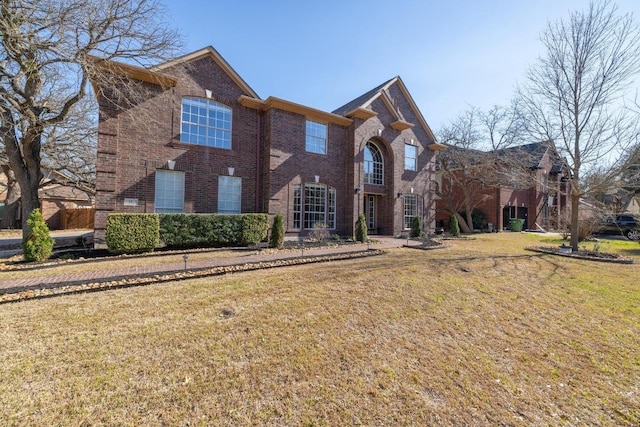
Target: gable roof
361,107
132,71
210,52
535,152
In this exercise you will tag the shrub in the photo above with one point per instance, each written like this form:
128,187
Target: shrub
454,227
319,232
255,228
277,232
132,233
191,230
39,244
416,229
361,228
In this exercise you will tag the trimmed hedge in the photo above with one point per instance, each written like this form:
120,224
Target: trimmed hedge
191,230
131,233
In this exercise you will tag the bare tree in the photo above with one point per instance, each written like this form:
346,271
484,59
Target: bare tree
574,94
475,162
47,59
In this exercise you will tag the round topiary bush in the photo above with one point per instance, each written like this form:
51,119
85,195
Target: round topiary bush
38,245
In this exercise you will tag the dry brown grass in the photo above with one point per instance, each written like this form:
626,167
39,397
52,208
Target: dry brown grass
481,333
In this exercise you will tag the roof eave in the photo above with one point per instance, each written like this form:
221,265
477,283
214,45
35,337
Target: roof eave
281,104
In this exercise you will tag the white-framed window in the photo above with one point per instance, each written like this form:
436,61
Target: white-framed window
206,122
410,157
316,137
373,165
229,194
297,206
412,209
313,204
169,194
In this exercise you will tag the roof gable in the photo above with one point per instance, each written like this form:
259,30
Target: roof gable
361,106
218,59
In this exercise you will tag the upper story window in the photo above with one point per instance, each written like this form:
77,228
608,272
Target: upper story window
316,139
206,122
373,166
410,157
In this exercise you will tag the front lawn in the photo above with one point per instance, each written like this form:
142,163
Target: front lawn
480,333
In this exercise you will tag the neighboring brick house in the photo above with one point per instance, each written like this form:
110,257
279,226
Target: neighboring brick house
56,202
541,203
203,141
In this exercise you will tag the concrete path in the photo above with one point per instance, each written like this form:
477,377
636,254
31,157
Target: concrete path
10,246
8,286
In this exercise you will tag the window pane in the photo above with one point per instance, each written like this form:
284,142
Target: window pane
314,205
410,157
297,207
316,137
169,194
413,206
373,166
206,122
229,194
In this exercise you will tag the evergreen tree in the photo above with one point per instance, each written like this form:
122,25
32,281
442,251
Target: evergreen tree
38,245
277,232
361,228
454,227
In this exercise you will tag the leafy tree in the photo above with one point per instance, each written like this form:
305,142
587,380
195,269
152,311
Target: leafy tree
574,95
38,245
48,51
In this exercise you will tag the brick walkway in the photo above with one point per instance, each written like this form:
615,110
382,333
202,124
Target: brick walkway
8,286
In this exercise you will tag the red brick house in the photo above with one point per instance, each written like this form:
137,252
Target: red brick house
541,200
202,141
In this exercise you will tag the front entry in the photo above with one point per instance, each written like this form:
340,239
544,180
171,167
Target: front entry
371,212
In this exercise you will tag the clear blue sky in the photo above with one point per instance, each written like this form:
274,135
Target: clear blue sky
450,54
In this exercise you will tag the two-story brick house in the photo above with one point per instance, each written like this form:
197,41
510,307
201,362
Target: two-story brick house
540,198
202,141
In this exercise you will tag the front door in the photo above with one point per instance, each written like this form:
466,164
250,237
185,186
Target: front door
371,212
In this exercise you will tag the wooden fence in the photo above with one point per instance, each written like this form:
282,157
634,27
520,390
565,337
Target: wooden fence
77,218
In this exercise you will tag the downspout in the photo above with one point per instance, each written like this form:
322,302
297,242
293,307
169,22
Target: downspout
259,183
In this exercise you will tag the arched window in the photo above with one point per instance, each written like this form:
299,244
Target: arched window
373,166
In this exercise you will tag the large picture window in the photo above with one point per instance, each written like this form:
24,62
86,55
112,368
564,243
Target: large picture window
412,209
316,137
373,166
229,194
314,204
169,196
206,122
410,157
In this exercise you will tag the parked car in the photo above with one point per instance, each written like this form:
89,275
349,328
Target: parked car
625,224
